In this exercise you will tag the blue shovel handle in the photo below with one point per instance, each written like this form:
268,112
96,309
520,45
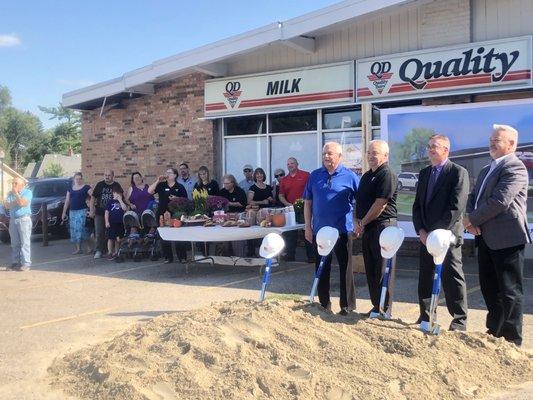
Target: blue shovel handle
318,274
385,285
266,279
436,279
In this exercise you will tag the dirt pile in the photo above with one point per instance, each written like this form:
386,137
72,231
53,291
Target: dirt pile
288,350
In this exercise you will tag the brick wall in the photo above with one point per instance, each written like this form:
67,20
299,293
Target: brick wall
150,134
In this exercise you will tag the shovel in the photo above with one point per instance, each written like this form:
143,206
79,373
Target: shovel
326,238
271,246
390,241
437,244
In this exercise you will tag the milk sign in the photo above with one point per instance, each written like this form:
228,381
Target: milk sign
475,67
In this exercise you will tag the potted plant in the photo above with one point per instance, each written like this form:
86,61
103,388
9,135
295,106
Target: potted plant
215,203
179,207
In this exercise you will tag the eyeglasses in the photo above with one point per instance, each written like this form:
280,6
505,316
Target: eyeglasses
247,170
434,146
279,175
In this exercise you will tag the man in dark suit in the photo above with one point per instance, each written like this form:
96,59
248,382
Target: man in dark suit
439,204
497,215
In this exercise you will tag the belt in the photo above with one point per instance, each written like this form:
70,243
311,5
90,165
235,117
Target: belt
375,223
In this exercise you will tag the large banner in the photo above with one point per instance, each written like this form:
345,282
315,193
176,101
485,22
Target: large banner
466,68
298,88
468,126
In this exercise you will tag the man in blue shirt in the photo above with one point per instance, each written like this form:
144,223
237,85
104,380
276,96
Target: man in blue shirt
328,201
18,202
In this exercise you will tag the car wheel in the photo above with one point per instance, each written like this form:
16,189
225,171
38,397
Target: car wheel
400,186
4,237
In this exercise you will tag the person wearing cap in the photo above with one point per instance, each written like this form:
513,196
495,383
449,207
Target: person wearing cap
440,202
291,189
375,209
248,180
497,216
328,201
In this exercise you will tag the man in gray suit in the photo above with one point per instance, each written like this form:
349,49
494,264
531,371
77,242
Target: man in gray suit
497,215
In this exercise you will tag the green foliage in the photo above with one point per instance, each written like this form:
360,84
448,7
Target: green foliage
413,148
5,97
53,170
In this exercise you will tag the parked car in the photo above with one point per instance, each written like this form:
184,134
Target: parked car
51,191
407,180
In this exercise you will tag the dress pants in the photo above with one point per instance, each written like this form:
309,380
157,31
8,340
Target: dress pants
500,278
343,252
453,284
373,260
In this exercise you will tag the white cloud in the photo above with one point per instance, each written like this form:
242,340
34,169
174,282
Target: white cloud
9,40
76,83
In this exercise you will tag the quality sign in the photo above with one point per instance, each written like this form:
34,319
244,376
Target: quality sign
468,68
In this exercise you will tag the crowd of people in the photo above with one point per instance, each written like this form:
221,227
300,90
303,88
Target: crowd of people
494,212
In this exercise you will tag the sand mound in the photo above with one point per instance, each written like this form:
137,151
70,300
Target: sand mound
288,350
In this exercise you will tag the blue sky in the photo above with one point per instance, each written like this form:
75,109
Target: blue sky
466,127
51,47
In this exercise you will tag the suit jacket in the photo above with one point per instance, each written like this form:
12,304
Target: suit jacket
501,211
445,208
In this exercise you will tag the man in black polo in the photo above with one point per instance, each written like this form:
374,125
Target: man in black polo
375,209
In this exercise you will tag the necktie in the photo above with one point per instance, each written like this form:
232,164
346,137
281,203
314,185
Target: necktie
431,183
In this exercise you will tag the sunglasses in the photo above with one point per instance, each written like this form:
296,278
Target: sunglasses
247,170
279,175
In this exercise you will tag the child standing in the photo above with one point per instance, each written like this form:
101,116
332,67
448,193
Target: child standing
113,222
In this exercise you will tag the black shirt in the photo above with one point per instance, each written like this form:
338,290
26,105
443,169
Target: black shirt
261,194
237,195
211,187
379,184
103,193
164,192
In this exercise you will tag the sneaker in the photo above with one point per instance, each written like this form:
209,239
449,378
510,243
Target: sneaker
111,257
98,254
24,268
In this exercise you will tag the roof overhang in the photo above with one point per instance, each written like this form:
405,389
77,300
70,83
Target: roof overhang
295,33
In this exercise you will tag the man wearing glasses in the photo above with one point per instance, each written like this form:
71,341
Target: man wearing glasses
248,180
292,188
440,202
328,201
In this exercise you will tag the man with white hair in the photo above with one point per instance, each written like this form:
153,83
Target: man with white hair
18,203
328,198
497,215
440,202
375,209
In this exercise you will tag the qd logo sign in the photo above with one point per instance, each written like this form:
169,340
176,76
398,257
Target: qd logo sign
232,93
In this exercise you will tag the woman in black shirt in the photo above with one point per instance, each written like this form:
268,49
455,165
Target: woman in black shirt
205,182
168,189
260,194
235,195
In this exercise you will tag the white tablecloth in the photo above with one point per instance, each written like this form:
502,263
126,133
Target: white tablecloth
219,233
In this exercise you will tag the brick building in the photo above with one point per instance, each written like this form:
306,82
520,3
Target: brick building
188,107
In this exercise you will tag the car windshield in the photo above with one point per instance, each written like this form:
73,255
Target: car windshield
49,189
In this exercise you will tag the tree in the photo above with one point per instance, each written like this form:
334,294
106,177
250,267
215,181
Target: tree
413,147
67,134
5,97
17,129
53,170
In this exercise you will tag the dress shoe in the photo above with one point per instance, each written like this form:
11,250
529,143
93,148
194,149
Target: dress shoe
344,311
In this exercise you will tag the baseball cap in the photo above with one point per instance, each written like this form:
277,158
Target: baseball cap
248,166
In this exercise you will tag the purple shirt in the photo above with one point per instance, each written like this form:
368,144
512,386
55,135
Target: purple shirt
439,167
140,198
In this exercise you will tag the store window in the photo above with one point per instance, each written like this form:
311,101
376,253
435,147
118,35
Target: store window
341,118
246,150
303,147
299,121
351,148
251,125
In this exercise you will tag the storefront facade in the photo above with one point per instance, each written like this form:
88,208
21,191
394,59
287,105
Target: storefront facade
288,95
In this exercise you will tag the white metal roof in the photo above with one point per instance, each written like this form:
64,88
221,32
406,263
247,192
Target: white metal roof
210,58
